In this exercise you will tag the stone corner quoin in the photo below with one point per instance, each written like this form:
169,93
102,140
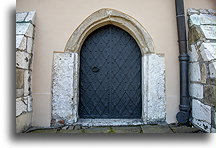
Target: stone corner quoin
25,24
202,67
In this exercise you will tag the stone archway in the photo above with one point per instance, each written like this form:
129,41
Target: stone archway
65,89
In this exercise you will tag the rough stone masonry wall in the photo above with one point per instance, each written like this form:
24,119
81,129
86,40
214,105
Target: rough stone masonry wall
202,67
24,51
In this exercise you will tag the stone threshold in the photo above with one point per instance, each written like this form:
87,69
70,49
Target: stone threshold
109,122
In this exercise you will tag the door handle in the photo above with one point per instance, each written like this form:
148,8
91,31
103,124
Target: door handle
95,69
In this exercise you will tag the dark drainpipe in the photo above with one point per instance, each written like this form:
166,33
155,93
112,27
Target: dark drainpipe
184,107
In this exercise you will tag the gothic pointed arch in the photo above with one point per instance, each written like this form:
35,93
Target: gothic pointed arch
107,16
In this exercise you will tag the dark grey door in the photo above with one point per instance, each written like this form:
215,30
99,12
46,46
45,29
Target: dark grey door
110,75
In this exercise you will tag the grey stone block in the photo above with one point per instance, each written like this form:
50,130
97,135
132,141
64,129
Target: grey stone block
19,78
209,95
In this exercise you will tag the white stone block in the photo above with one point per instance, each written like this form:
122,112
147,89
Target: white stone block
207,19
29,103
212,69
63,87
202,124
194,20
29,45
20,42
31,17
153,85
201,114
192,52
194,72
191,11
24,29
196,90
20,16
20,106
209,31
204,11
27,82
208,51
22,59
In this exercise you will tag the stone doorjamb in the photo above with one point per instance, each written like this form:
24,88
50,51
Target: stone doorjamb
65,84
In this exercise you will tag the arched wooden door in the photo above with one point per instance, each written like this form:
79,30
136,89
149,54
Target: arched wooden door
110,75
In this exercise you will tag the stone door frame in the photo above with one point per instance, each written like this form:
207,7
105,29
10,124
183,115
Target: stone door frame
65,84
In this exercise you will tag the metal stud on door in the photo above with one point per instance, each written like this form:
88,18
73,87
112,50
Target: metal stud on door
110,75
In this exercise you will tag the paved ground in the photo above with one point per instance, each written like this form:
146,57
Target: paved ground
117,129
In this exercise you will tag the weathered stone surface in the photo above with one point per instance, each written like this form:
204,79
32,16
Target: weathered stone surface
20,106
20,17
23,122
202,19
31,17
19,78
204,11
19,93
63,103
207,19
184,129
193,54
212,69
24,29
20,42
209,95
209,31
27,82
207,51
28,102
108,122
203,73
70,131
194,20
153,85
195,33
24,35
201,114
49,131
29,45
125,129
194,72
202,125
192,11
156,129
22,59
196,90
97,130
212,11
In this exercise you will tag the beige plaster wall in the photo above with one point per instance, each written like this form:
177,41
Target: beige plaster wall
57,19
